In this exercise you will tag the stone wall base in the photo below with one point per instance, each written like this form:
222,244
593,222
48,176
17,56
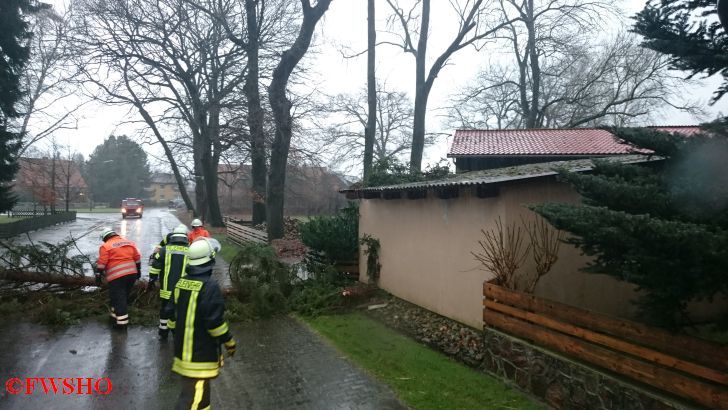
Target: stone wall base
564,383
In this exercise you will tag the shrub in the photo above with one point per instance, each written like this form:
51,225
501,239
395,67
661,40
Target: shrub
261,279
390,171
334,238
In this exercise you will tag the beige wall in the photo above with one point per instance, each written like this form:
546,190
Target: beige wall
162,193
426,245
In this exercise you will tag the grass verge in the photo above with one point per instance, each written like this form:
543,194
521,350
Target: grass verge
422,378
4,219
229,248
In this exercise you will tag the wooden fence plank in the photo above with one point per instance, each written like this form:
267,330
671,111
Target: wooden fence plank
643,353
705,393
245,234
703,352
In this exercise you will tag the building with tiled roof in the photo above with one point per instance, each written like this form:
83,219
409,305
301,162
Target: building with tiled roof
47,181
474,149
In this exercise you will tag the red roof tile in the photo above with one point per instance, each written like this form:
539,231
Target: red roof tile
576,141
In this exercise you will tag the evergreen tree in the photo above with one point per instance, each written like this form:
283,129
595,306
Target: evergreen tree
14,53
688,31
117,169
663,224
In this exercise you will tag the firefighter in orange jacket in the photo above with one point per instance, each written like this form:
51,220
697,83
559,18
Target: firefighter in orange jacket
119,258
197,231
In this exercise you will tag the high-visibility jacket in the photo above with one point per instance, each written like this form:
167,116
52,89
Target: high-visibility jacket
119,257
197,232
169,261
197,321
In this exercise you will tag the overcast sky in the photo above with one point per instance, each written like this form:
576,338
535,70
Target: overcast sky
344,26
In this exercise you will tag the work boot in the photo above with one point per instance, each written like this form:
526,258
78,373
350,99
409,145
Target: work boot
163,334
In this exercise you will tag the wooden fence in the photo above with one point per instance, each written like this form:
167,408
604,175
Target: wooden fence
242,234
688,367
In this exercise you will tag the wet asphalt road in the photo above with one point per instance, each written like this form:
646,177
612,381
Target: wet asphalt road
280,363
146,232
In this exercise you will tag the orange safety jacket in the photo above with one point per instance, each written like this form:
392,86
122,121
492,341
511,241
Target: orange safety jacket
198,232
118,257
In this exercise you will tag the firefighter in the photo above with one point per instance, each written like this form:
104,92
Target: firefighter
119,258
198,231
170,261
196,318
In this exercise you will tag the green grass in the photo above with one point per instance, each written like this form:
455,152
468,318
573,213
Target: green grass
6,219
422,378
229,248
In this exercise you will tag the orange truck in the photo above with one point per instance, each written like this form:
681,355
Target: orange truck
132,207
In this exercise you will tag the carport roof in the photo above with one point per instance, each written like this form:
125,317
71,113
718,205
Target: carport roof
497,175
546,142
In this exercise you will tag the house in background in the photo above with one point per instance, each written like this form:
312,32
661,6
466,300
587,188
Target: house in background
49,181
310,190
474,149
162,189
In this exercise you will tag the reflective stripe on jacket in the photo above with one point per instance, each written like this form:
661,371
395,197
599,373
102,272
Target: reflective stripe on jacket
170,261
197,310
118,257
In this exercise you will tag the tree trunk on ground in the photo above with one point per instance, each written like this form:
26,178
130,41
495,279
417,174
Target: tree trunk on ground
281,106
67,280
255,117
371,91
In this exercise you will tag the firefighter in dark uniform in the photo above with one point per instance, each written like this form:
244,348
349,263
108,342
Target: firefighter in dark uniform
169,262
196,318
120,260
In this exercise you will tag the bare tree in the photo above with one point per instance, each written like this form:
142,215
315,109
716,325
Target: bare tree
50,174
281,106
266,29
342,139
173,63
563,72
49,103
413,38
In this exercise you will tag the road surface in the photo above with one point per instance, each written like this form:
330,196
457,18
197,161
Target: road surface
146,232
280,363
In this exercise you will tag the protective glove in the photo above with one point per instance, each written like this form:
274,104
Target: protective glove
139,270
230,347
98,279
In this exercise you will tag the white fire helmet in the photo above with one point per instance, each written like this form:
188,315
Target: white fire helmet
202,250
